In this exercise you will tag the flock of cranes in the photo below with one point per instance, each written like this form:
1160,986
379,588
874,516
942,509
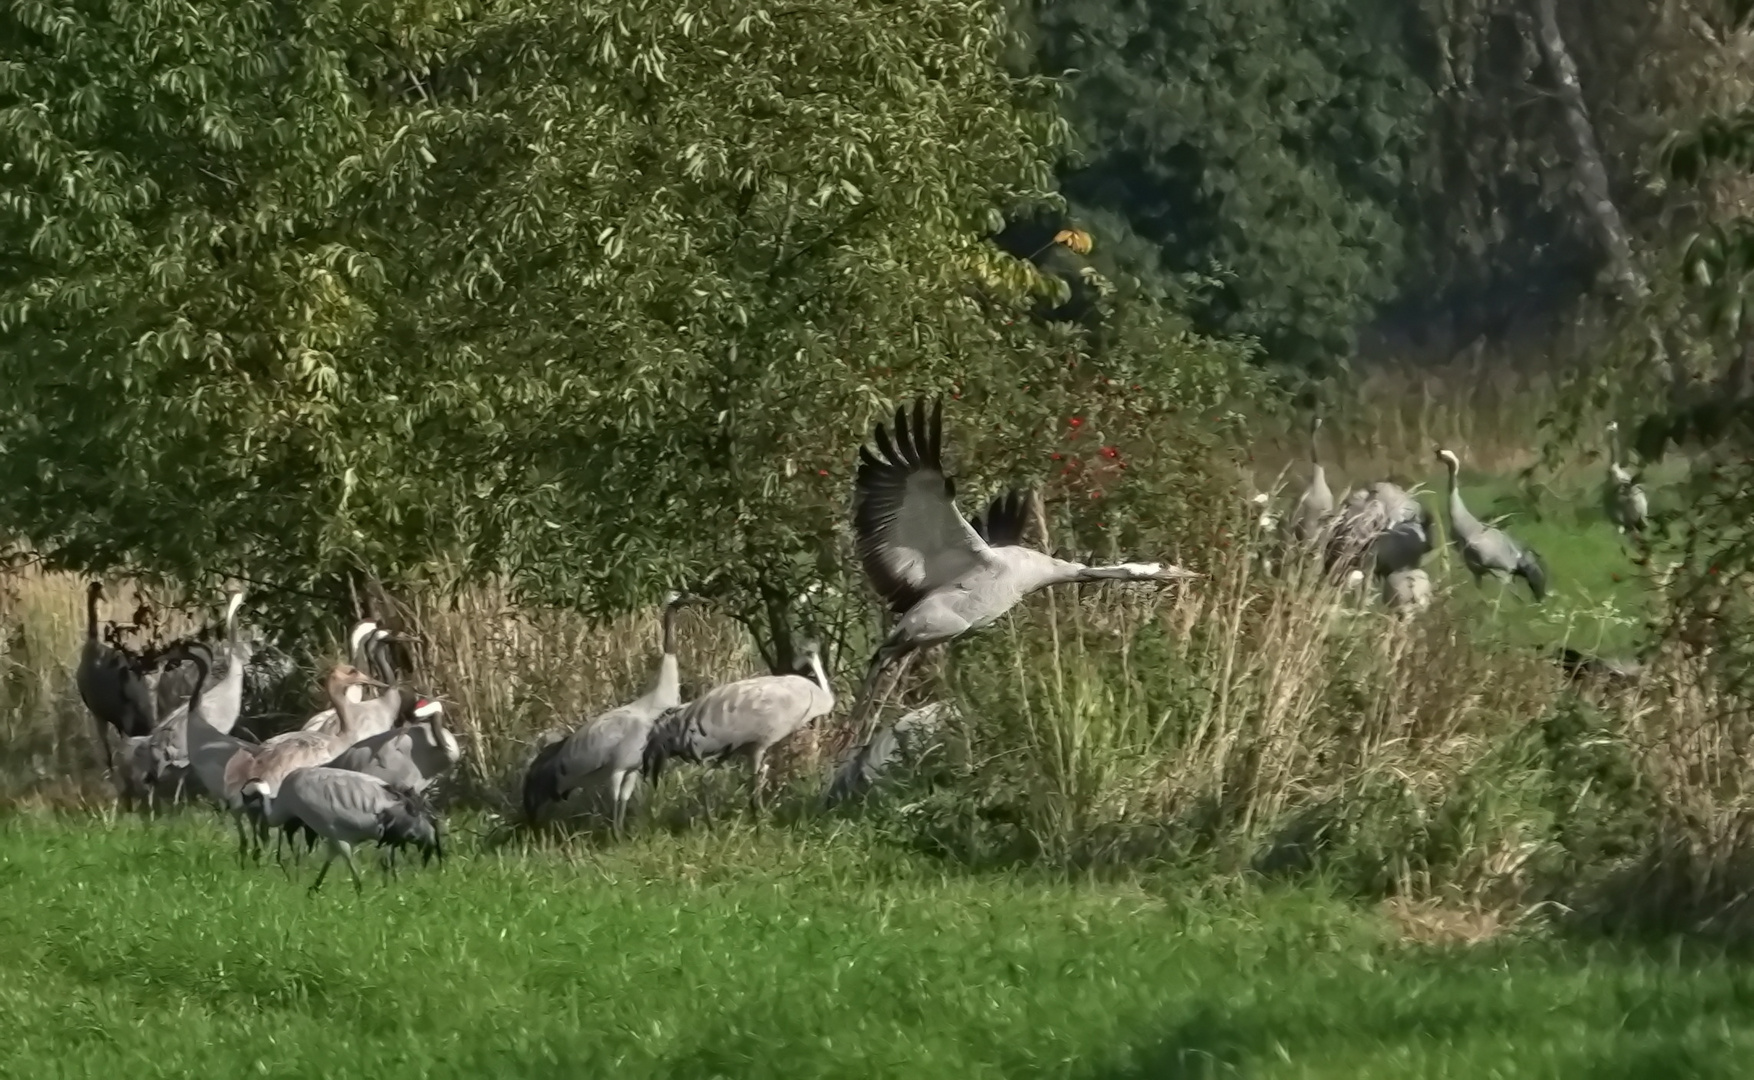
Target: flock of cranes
363,769
1384,531
357,771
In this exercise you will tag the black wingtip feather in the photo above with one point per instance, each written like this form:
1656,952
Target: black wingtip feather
1006,519
885,469
1530,569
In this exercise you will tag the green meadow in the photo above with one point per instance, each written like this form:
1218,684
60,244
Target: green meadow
145,951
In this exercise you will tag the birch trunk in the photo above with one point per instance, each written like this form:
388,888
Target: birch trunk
1590,173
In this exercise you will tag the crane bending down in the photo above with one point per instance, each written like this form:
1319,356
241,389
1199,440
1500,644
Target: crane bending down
264,767
943,576
347,808
410,755
114,692
747,717
1486,550
1625,498
610,746
1384,528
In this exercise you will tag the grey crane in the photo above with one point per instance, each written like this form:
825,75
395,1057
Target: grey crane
1316,505
904,740
941,575
1623,495
347,808
411,755
164,755
1487,550
209,749
267,765
113,690
366,649
1384,528
611,746
748,717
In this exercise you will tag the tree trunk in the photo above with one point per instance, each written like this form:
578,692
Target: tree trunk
1590,173
780,652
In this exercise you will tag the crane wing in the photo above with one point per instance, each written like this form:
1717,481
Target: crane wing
911,537
1006,519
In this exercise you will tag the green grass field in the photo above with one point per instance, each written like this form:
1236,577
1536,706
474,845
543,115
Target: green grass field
137,949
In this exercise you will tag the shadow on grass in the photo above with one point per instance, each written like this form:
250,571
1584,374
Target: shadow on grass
1687,1023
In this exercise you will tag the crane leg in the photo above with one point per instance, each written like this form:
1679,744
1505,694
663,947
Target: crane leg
858,720
625,785
323,871
237,819
103,744
757,773
352,867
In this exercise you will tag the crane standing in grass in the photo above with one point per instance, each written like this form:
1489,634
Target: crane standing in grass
263,768
1487,550
1624,496
1316,505
347,808
941,575
209,749
163,757
611,746
747,717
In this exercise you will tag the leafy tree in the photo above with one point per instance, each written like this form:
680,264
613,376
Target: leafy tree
1268,140
595,295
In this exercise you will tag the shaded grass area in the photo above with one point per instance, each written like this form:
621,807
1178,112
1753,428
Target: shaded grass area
139,949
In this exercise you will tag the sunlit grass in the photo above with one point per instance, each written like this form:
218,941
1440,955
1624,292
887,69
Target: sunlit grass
140,949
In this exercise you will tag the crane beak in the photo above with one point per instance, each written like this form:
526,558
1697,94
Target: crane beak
1175,573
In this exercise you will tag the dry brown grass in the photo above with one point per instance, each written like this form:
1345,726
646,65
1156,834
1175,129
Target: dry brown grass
1271,717
1431,922
1390,416
1692,727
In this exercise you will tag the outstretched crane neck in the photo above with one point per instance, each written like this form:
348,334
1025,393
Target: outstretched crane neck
91,596
821,678
1462,523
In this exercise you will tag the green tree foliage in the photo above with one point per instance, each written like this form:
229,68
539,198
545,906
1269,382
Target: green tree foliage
1267,139
597,295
